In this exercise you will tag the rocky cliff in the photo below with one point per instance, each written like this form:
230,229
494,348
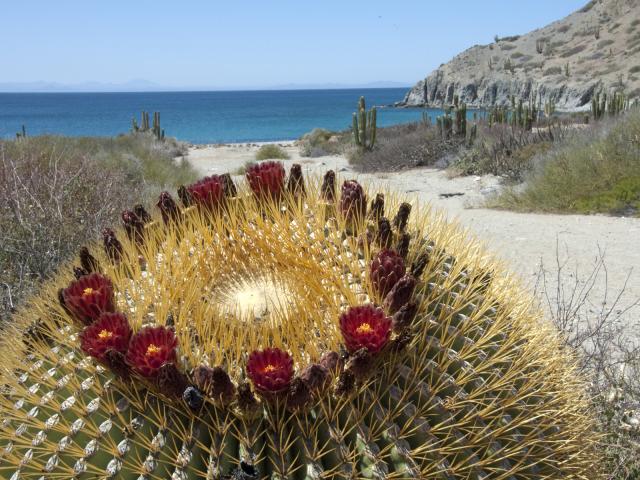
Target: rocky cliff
596,48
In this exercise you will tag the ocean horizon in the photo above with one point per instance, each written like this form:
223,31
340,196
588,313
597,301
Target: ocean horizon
201,117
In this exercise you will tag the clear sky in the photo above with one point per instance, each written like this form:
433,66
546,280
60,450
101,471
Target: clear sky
252,43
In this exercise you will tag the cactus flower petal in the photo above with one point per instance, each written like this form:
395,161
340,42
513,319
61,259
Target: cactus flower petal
88,297
208,192
387,267
111,331
266,180
270,370
365,326
151,348
353,202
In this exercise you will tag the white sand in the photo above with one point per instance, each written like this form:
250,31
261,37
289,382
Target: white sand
522,240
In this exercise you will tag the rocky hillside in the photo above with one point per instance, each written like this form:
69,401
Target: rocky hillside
595,48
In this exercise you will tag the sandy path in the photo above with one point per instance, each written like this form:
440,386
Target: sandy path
522,240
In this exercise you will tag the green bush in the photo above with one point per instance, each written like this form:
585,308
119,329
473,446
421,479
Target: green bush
595,171
271,152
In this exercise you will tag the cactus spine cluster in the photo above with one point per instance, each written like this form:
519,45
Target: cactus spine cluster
302,336
364,126
144,126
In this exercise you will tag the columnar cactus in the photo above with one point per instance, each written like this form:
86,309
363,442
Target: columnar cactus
273,337
364,126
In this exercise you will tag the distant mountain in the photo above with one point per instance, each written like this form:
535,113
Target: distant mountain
594,49
147,86
130,86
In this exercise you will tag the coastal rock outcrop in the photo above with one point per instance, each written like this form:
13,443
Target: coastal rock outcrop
594,49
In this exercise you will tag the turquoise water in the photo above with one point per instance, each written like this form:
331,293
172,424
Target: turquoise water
198,117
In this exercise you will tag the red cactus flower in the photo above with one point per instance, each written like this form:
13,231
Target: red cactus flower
88,297
151,348
266,179
353,202
387,267
208,192
111,331
365,326
270,370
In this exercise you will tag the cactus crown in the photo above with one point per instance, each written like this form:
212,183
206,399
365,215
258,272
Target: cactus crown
278,336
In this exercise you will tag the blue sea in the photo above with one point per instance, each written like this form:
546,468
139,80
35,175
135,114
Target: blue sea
199,117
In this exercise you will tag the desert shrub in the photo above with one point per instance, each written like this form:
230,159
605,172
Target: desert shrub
573,51
634,69
56,192
594,321
597,170
507,46
595,56
563,29
515,55
270,152
403,146
512,38
605,43
320,142
502,150
552,71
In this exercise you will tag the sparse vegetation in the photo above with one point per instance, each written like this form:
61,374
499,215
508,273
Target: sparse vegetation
553,71
593,171
57,192
592,324
404,146
573,51
271,151
320,142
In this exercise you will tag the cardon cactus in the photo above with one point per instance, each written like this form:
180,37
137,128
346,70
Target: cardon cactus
263,339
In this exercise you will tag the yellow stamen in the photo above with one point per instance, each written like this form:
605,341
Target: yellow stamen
87,291
270,368
152,349
105,334
364,328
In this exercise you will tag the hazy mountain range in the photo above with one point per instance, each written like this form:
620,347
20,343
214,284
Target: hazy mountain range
141,85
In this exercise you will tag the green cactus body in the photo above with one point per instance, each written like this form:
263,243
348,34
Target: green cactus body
475,385
364,126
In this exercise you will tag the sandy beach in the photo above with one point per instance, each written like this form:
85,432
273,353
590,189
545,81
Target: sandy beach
524,241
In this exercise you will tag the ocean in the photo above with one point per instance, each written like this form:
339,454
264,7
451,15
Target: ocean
199,117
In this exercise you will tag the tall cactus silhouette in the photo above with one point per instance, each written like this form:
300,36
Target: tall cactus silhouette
261,333
364,126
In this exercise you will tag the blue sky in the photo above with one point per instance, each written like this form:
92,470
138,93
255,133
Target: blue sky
252,43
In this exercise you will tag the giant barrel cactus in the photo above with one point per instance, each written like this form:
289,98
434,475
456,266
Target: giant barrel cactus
288,329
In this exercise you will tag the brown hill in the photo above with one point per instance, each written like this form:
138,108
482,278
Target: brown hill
594,49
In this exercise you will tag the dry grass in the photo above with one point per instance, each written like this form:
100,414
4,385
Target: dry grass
56,192
608,349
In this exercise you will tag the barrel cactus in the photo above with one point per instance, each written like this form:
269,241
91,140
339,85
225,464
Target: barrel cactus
285,329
